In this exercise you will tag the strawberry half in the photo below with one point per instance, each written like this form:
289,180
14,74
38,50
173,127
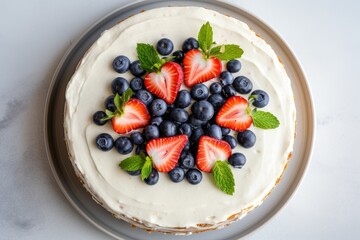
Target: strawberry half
135,115
211,150
166,83
197,69
165,152
233,114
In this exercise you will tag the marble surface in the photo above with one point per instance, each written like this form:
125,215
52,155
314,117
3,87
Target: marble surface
325,37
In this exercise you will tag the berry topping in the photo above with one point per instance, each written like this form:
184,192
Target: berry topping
119,85
109,103
123,145
137,138
178,56
216,87
151,132
194,122
179,115
217,100
193,176
260,98
167,128
121,64
214,131
225,131
98,118
158,107
187,160
156,121
144,96
246,138
164,46
203,110
104,142
197,133
153,178
190,43
233,66
185,128
136,69
230,140
134,173
234,114
177,174
211,150
237,160
242,85
136,84
183,99
199,92
226,78
229,91
165,152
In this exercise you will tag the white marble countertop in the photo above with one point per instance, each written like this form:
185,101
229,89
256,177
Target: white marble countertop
325,36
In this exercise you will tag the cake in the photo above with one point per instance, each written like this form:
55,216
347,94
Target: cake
206,203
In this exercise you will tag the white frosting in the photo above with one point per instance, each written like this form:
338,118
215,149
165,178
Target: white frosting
168,205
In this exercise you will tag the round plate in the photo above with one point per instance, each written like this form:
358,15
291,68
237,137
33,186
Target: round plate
81,200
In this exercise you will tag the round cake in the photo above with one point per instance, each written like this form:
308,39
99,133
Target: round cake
168,177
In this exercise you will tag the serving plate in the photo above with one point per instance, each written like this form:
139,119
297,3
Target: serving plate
99,217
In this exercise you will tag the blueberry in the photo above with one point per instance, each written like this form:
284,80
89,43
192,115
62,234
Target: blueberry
214,131
164,46
109,103
98,116
121,64
194,176
229,91
136,84
194,122
199,92
119,85
144,96
230,140
261,98
177,174
123,145
167,128
187,160
246,138
140,149
151,131
179,115
137,138
196,135
233,66
190,43
216,87
225,131
242,85
134,173
183,99
185,128
226,78
136,69
156,121
153,177
179,56
104,142
203,110
217,100
237,160
158,107
187,146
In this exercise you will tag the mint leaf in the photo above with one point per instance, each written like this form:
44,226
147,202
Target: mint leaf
146,168
226,52
224,178
118,102
132,163
264,120
205,37
148,57
125,97
109,115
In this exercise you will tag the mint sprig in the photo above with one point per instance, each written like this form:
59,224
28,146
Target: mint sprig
149,58
265,120
223,177
223,52
138,162
146,168
119,102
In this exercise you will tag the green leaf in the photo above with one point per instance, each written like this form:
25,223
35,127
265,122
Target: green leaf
125,97
264,120
118,102
205,37
227,52
132,163
224,178
148,57
147,168
109,115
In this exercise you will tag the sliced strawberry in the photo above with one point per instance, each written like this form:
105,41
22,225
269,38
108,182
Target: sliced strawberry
165,152
197,69
135,116
233,114
211,150
166,83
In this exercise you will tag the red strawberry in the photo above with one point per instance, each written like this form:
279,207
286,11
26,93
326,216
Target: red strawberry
166,83
233,114
198,69
165,152
135,116
211,150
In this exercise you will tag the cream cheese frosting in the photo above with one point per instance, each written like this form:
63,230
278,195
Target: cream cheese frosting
167,206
